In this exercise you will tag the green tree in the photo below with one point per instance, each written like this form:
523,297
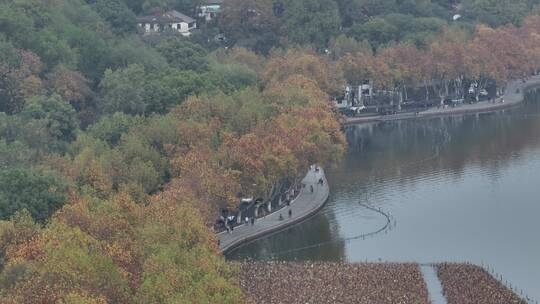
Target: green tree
360,11
116,12
59,116
183,54
21,189
384,30
122,90
497,12
231,77
110,128
250,23
342,45
170,88
311,21
135,91
146,167
15,153
132,50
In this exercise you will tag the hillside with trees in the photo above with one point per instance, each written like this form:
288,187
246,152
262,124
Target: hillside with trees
117,149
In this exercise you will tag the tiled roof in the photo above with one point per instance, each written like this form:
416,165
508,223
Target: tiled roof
167,17
212,2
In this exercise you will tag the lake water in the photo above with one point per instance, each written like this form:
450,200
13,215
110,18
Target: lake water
460,188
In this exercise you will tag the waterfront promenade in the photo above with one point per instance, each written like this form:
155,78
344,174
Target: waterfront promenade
513,96
305,205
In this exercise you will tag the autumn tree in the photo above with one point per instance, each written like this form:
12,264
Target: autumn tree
117,251
199,173
308,64
70,85
20,228
530,37
357,67
449,64
18,78
507,61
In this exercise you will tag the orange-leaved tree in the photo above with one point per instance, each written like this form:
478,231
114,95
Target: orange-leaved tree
117,251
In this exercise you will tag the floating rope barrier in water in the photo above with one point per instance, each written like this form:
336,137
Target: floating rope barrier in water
389,225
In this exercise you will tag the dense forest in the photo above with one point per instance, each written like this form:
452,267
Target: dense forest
117,149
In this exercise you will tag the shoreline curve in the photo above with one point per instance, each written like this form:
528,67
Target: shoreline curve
305,205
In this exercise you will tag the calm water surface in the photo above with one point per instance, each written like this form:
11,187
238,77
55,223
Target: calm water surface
461,188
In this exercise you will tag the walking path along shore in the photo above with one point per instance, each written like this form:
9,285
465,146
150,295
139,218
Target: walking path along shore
513,96
325,282
306,204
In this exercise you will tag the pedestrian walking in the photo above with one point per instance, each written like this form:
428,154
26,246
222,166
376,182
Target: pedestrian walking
290,213
280,217
246,220
311,187
252,221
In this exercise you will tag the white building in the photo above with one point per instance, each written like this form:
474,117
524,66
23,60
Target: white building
209,9
353,98
366,89
168,21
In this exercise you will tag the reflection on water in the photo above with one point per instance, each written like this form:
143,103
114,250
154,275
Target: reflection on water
460,188
307,237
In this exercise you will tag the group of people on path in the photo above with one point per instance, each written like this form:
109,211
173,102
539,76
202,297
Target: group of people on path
248,220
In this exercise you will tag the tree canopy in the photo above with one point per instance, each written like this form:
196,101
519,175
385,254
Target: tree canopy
118,149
